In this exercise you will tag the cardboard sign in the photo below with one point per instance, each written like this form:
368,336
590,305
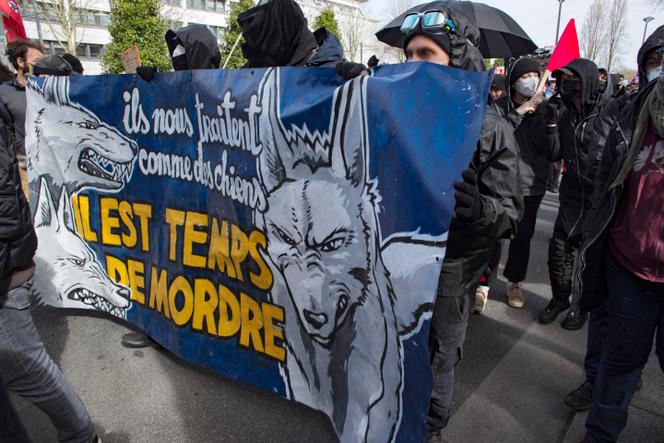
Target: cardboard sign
131,59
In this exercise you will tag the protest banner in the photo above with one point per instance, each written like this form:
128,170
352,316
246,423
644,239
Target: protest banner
279,226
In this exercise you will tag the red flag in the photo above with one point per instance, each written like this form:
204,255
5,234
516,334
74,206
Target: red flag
567,48
11,20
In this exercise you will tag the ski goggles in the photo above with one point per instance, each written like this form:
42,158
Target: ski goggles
432,21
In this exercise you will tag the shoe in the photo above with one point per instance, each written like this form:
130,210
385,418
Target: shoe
574,319
550,313
581,398
435,438
481,297
136,340
515,296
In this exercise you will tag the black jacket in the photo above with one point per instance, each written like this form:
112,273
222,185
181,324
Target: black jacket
18,241
330,51
575,136
470,244
12,96
537,147
590,278
200,45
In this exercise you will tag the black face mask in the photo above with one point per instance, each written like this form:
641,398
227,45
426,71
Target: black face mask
602,86
569,89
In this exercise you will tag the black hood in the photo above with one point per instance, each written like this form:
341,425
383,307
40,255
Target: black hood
656,40
276,34
464,40
330,51
201,50
589,74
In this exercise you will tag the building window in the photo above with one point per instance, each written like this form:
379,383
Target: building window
207,5
171,2
84,51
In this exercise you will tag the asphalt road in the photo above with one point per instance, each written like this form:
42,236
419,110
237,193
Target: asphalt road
510,386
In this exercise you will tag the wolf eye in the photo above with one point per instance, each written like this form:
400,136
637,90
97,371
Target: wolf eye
285,237
77,261
332,245
87,125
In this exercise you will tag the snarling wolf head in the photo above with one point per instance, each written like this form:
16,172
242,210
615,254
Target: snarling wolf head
66,267
321,221
89,152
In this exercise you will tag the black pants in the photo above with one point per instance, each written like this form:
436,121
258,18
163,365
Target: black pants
519,252
491,271
563,250
11,429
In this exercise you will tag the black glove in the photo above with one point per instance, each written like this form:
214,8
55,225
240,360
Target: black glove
373,61
554,108
350,70
146,72
468,200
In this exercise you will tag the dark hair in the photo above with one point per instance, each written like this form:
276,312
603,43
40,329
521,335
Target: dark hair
19,49
74,62
5,73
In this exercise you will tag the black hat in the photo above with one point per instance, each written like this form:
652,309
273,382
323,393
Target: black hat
442,40
52,64
75,63
523,66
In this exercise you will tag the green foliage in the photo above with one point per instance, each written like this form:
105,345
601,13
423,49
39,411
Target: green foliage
326,19
231,34
489,62
137,22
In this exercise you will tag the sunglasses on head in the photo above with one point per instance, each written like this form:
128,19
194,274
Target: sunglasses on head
434,20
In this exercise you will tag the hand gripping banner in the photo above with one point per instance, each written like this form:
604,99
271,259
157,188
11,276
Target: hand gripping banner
278,226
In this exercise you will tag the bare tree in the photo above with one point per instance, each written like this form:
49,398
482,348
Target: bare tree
657,3
593,33
394,8
615,28
66,20
352,33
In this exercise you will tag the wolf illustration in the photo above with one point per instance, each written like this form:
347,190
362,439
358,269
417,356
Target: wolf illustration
344,352
90,153
67,272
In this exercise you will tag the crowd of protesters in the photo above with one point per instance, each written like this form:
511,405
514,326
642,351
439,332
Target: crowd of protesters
606,253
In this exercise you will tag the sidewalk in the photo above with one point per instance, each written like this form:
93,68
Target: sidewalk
511,383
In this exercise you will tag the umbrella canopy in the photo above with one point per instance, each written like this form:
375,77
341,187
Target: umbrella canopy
501,36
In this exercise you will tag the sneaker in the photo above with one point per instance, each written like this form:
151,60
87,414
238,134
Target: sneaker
136,340
481,297
574,319
581,398
550,313
515,296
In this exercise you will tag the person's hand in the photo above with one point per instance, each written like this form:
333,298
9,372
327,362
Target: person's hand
146,72
532,104
468,200
350,70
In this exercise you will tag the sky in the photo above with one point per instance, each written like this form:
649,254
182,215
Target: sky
538,18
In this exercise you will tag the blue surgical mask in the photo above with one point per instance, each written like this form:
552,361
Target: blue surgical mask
653,73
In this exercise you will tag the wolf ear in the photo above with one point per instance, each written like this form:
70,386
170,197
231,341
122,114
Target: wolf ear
45,213
350,139
56,90
65,218
271,133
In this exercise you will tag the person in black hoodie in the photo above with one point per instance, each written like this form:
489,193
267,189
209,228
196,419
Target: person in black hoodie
649,62
276,34
488,206
527,112
193,47
578,83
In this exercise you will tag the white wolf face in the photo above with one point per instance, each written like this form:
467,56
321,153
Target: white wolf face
319,223
90,152
66,260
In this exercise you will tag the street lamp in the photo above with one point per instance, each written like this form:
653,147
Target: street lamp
560,8
645,28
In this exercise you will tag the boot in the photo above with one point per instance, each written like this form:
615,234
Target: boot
554,308
574,319
515,296
581,398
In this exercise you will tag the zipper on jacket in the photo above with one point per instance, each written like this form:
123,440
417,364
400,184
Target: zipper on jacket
578,171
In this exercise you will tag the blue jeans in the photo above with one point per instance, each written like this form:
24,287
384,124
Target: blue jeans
28,371
597,330
635,317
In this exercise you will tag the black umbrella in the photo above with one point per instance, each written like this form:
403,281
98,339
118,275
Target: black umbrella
501,35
